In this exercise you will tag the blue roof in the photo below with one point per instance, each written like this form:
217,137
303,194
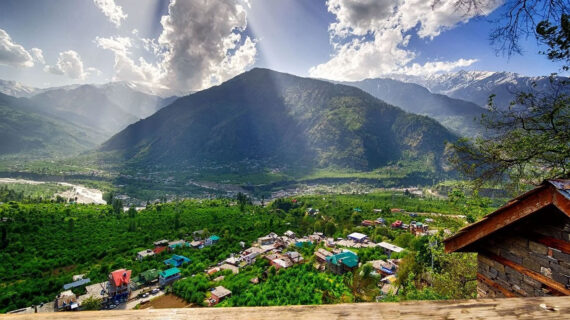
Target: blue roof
348,258
169,272
177,260
76,284
214,238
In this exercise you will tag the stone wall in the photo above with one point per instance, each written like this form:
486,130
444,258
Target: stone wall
519,244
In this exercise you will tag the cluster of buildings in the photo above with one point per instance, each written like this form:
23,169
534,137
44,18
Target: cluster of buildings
169,246
415,227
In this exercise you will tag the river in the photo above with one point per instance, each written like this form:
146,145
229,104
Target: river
82,193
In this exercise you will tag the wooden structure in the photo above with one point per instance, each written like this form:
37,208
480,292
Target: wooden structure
489,309
524,247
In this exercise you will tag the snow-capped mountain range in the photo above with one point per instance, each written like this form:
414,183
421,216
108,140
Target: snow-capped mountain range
477,86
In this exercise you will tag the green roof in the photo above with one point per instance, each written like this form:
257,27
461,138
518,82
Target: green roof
169,272
149,274
348,258
214,238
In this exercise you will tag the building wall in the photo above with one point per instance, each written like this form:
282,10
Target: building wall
519,244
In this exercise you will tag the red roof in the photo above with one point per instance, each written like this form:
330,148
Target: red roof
158,250
121,277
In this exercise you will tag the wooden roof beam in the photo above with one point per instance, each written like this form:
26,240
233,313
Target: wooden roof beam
501,218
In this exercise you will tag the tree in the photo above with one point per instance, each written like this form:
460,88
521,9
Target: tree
557,38
529,141
242,200
517,20
91,303
526,143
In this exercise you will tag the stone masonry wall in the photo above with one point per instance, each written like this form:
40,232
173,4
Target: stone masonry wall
516,245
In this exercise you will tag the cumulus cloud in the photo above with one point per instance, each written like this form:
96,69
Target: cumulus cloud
111,10
126,68
203,44
38,55
370,37
13,54
69,64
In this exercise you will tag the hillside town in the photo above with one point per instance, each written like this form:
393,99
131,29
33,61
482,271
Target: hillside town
122,290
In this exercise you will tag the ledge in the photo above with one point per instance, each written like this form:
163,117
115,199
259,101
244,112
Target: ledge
511,308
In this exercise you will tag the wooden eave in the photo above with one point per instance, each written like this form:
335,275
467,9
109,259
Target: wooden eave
518,208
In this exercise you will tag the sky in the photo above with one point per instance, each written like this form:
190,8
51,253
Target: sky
182,46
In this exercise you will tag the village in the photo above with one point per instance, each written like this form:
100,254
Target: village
123,290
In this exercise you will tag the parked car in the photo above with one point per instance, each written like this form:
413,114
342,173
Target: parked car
413,215
155,291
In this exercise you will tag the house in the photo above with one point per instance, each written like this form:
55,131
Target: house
342,262
218,294
145,253
367,223
227,266
523,248
396,210
397,224
330,242
118,287
176,260
75,284
160,243
196,244
250,257
265,241
233,260
213,270
281,263
303,242
389,248
145,278
173,245
218,279
211,240
388,285
314,238
159,250
295,256
168,276
66,301
418,228
376,210
358,237
254,280
380,221
322,254
289,234
383,267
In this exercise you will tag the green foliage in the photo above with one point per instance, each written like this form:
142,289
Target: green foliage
557,38
192,289
527,143
91,303
46,243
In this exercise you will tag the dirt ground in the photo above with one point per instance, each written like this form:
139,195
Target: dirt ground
166,301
